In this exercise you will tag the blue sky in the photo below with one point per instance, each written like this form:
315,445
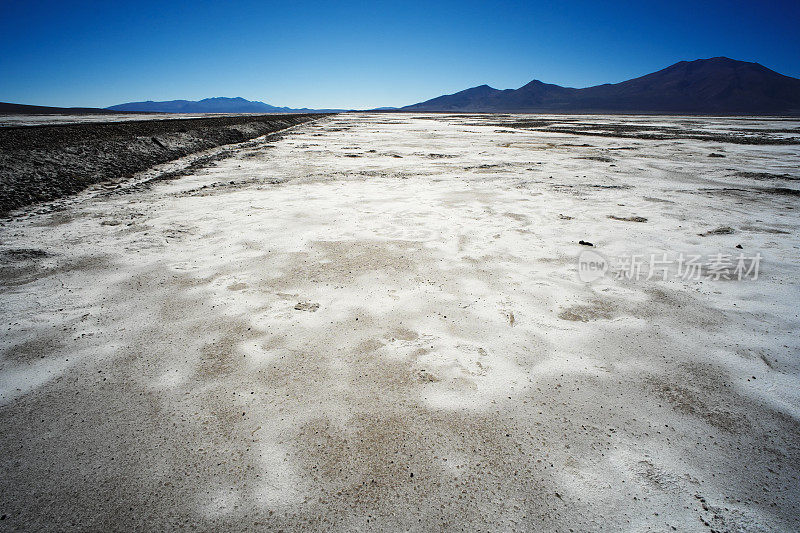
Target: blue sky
366,54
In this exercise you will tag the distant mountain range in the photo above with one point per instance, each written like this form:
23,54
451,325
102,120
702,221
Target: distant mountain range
716,86
211,105
706,86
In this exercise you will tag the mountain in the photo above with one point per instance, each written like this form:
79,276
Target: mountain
473,99
706,86
211,105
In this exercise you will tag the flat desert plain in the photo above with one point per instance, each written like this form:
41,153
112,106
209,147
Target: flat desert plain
386,322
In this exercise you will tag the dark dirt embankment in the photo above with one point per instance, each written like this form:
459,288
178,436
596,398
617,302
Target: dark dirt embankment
43,163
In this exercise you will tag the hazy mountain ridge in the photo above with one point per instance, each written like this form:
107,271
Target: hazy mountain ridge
219,104
706,86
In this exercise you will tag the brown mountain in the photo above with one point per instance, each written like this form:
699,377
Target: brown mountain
706,86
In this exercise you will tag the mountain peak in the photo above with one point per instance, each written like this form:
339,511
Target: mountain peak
718,59
720,62
479,89
224,99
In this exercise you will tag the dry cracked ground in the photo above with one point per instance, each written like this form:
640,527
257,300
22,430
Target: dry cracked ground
376,322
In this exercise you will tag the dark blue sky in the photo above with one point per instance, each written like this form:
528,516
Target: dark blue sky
360,55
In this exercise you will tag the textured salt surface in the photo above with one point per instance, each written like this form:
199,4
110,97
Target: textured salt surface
376,322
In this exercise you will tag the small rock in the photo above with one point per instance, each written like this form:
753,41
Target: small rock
722,230
739,246
307,306
628,219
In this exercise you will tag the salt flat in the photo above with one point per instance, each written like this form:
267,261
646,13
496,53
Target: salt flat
377,322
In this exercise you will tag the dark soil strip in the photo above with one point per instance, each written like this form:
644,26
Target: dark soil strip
44,163
660,133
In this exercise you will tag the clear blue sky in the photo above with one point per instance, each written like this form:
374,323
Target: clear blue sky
367,54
